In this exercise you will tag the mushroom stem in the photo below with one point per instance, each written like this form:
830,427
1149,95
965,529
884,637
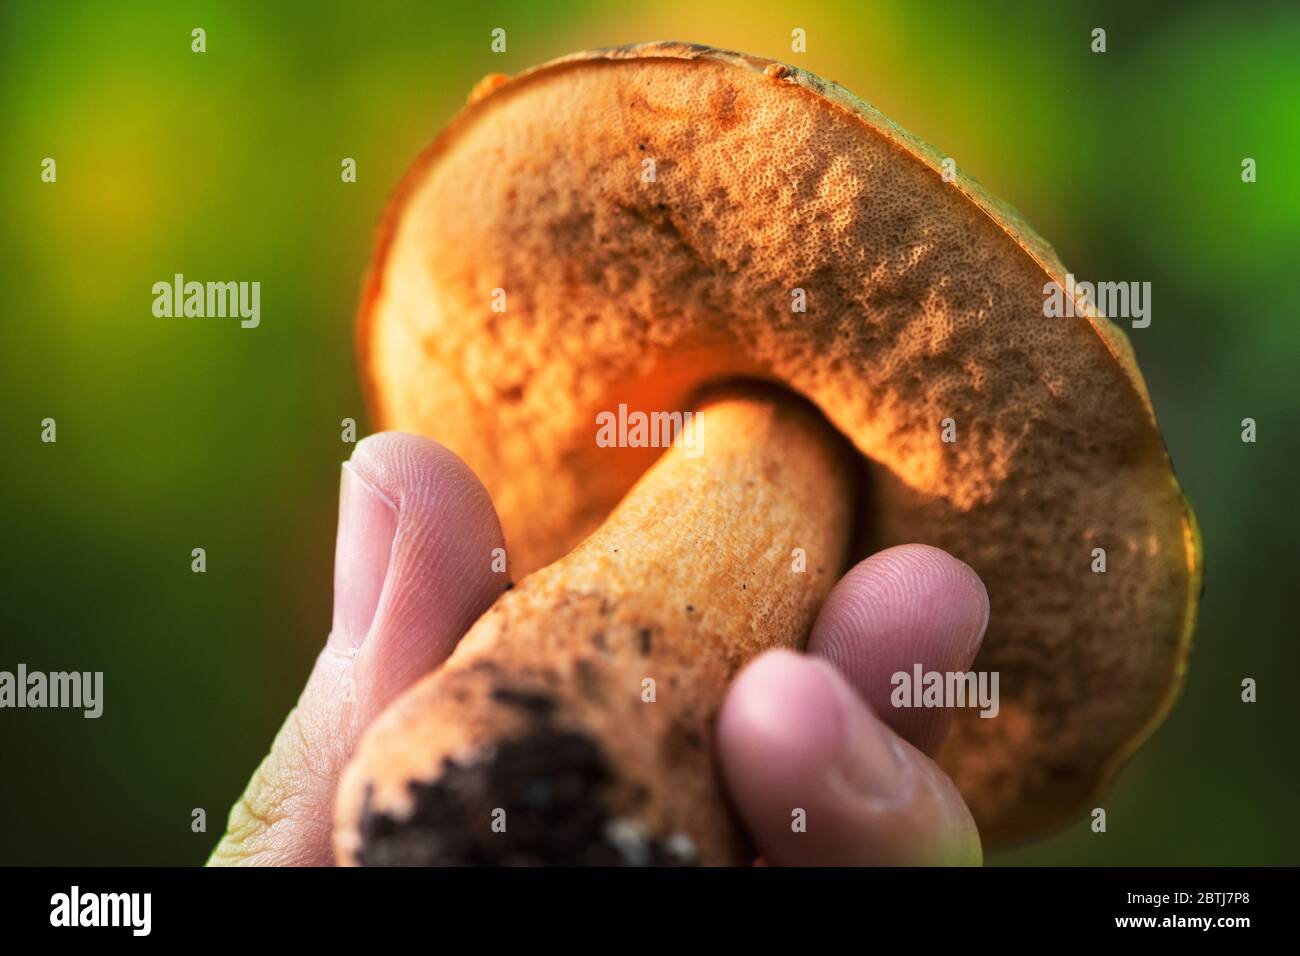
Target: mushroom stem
574,723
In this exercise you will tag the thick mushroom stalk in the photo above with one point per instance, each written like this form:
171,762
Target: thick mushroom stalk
573,724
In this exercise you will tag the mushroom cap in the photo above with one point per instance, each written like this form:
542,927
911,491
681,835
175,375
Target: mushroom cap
627,281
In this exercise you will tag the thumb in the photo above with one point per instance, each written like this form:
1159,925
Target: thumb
412,571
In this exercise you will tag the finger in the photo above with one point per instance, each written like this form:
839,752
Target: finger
440,578
413,569
819,780
903,608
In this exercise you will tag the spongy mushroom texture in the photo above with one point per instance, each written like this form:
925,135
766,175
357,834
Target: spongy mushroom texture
648,213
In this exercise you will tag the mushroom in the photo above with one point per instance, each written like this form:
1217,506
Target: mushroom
632,227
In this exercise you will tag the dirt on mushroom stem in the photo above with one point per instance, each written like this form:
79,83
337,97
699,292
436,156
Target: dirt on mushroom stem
578,712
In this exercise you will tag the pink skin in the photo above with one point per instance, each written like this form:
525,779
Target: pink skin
816,732
823,770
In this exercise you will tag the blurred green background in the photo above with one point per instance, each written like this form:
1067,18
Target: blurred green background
181,434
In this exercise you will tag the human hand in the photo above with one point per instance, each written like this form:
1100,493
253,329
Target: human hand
813,731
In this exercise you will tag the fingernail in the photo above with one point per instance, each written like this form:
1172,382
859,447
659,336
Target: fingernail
865,759
367,526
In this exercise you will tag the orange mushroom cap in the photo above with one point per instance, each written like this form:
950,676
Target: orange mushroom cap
645,216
